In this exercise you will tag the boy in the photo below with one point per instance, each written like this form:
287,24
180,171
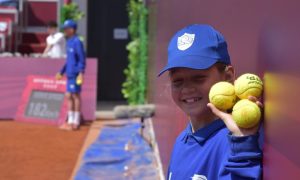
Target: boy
74,69
212,146
56,42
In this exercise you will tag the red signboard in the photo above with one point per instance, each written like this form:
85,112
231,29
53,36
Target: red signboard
43,101
13,78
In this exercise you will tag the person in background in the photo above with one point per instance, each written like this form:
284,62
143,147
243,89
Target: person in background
9,3
74,69
56,42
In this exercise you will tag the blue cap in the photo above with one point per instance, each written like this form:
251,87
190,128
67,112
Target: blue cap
69,23
196,47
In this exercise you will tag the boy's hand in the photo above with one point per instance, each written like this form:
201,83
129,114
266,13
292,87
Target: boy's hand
229,122
58,76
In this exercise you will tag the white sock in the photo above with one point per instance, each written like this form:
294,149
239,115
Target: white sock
76,118
71,117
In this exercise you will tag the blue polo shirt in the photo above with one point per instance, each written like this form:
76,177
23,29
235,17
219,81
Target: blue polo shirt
75,62
211,153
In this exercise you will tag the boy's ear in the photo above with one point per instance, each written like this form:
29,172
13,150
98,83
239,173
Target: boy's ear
229,74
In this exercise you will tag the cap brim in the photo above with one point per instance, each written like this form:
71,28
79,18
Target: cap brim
63,27
192,62
66,26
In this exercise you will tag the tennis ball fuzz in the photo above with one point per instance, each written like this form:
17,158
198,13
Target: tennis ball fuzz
79,80
222,95
248,85
246,113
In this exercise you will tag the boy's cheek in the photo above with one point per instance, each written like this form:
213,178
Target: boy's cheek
175,97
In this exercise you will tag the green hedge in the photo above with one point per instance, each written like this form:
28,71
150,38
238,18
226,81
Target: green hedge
135,86
70,11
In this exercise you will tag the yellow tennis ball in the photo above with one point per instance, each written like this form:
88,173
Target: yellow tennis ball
222,95
79,81
246,113
248,85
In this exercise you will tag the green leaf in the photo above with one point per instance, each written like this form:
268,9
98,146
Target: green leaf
135,86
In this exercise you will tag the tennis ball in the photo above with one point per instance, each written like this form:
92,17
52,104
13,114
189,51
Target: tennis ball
246,113
79,80
222,95
248,85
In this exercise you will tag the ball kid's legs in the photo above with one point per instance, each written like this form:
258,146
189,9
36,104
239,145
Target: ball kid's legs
71,108
77,104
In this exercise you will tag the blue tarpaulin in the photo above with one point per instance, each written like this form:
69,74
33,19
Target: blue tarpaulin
118,153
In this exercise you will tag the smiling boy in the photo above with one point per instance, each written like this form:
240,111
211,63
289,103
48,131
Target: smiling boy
212,146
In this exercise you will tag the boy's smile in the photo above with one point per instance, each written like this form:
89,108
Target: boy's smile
191,100
190,89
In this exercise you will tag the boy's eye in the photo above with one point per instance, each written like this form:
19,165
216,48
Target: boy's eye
199,78
177,83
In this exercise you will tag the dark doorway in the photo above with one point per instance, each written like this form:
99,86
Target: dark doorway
107,39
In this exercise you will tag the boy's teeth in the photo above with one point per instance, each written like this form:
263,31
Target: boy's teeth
192,100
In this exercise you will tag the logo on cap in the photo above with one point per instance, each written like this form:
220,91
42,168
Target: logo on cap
185,41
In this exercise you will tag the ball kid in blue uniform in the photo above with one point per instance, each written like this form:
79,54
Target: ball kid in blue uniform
74,69
212,147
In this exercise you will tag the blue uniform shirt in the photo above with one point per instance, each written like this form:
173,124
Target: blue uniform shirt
75,62
211,153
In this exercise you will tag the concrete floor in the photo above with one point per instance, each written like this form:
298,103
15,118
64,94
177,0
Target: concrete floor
109,105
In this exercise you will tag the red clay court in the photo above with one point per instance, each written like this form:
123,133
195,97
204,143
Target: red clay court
31,151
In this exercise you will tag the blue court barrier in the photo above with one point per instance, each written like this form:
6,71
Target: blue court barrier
118,153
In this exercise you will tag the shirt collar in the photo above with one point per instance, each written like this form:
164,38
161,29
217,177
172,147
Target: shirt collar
202,134
71,38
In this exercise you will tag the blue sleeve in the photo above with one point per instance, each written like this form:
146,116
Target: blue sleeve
63,69
81,56
244,160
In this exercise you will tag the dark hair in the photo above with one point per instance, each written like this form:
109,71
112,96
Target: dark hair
221,66
52,24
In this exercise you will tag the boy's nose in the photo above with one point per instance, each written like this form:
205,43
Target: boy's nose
188,88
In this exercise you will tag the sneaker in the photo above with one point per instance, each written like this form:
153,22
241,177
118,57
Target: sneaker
66,127
75,126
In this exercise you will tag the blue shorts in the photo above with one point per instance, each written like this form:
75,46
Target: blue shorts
72,87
